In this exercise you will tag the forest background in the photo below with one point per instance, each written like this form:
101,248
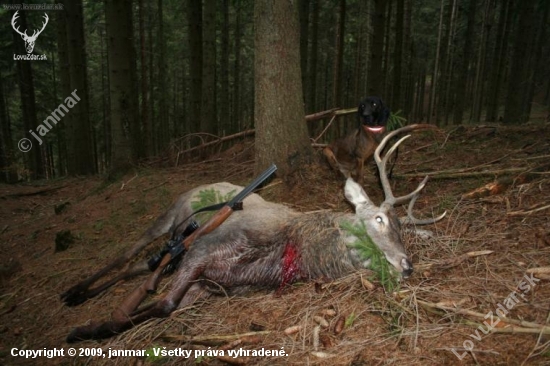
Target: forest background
159,77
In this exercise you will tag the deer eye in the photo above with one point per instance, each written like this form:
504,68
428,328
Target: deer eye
379,219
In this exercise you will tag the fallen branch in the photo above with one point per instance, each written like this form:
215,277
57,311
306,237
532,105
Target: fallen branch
528,212
503,183
516,329
325,129
538,270
219,140
319,146
156,186
34,193
124,184
475,314
460,173
321,115
452,262
343,112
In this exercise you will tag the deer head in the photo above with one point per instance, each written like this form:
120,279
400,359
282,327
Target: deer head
384,225
29,40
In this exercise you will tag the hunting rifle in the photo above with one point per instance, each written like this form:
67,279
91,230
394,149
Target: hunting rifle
131,303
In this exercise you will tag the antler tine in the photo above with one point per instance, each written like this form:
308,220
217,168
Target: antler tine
413,194
381,163
410,219
13,19
382,169
36,33
46,18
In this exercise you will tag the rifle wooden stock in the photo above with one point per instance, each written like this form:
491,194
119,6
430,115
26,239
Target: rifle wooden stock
216,220
131,302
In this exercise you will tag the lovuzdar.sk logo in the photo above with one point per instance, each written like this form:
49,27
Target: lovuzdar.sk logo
29,40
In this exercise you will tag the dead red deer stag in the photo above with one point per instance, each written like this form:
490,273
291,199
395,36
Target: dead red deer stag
270,245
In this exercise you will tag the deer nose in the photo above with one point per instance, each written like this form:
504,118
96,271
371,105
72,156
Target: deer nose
407,267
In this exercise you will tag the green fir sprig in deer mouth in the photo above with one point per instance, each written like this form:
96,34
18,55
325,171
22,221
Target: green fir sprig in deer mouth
368,250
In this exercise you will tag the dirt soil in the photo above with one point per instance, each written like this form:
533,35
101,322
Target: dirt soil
435,317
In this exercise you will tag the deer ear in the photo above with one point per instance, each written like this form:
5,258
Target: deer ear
355,194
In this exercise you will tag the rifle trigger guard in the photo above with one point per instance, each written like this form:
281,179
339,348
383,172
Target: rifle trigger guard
238,206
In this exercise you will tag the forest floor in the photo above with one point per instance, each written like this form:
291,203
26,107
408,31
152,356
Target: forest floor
440,308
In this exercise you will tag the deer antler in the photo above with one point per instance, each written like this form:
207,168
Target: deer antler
15,16
43,26
35,33
382,162
410,219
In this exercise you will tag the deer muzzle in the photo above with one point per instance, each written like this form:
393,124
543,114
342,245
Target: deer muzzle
407,267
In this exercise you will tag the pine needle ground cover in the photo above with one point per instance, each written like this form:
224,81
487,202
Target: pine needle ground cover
474,260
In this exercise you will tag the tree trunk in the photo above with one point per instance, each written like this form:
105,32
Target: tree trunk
460,89
208,120
313,58
375,79
386,91
146,127
122,88
339,62
409,57
195,71
498,61
432,111
105,105
339,55
237,113
8,173
514,108
397,82
65,125
536,57
28,103
224,117
153,82
281,134
81,138
304,35
482,57
449,62
359,52
163,122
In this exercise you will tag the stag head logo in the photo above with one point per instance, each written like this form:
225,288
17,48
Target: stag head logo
29,40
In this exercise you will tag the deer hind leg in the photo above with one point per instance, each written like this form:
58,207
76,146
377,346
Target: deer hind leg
184,285
81,292
196,292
